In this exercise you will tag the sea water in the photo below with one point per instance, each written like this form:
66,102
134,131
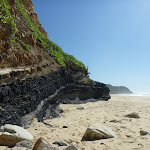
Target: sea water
136,94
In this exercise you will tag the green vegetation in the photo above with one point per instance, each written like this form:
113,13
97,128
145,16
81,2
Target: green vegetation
5,17
53,49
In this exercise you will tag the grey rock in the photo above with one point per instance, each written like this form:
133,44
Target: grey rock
25,144
144,132
12,134
79,107
97,132
115,121
42,144
132,115
71,147
20,148
60,143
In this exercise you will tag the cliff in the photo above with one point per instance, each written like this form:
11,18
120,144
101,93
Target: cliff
35,74
118,89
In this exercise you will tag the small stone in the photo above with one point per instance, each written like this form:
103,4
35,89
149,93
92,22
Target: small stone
60,143
115,121
65,127
25,144
71,147
144,132
61,110
132,115
79,107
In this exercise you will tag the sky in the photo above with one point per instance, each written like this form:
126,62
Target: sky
111,37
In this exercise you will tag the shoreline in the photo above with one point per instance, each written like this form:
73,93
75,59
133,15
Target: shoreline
134,94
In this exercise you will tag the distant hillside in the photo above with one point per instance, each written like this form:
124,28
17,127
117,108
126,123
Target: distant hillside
118,89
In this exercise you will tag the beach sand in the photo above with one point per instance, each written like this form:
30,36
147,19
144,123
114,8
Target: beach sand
127,130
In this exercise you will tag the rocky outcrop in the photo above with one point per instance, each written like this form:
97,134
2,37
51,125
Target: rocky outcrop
118,89
39,96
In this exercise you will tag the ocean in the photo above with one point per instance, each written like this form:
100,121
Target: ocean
136,94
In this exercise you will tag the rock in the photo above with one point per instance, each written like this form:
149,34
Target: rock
144,132
20,148
132,115
60,143
115,121
25,144
3,147
79,107
12,134
45,95
65,127
71,147
97,132
42,144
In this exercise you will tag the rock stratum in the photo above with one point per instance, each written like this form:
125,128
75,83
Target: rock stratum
35,74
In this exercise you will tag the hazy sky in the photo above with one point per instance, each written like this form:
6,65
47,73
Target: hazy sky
111,37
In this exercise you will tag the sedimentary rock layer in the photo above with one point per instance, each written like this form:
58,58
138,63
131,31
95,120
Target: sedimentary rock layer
39,96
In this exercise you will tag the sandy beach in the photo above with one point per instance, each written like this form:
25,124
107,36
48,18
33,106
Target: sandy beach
127,130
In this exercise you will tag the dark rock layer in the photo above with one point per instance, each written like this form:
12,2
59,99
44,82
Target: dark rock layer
39,96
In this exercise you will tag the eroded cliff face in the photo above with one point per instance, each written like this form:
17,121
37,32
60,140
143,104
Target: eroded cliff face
35,74
18,46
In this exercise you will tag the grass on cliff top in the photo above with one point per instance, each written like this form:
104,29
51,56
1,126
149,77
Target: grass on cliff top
54,50
6,18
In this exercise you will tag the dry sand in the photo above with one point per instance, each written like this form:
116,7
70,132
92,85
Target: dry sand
127,129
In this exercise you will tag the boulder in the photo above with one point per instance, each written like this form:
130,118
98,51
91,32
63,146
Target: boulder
12,134
97,132
42,144
71,147
132,115
144,132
